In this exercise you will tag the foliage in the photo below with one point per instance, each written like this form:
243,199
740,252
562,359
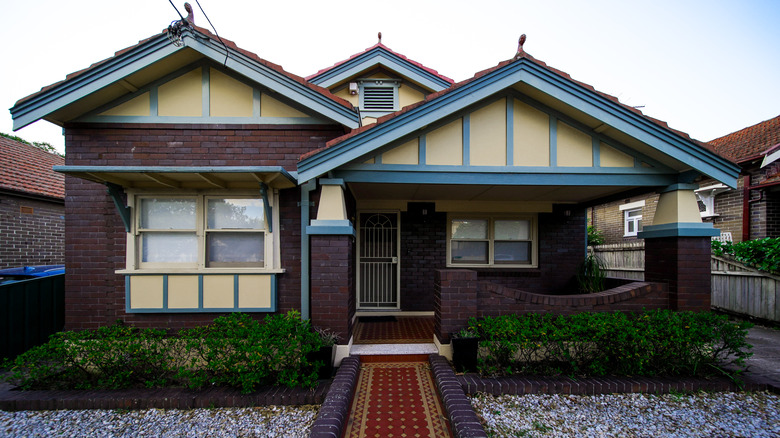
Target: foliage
595,237
651,343
762,254
235,350
591,275
38,144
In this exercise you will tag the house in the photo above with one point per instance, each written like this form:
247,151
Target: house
752,211
32,205
748,212
201,182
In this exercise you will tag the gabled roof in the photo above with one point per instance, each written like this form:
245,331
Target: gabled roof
749,143
134,59
525,69
380,55
27,169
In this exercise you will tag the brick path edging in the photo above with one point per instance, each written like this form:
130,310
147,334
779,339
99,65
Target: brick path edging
164,398
463,420
334,412
519,385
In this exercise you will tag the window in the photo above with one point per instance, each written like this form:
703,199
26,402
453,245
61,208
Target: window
378,96
492,241
201,231
633,222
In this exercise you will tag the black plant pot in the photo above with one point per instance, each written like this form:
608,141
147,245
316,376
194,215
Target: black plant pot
464,354
325,355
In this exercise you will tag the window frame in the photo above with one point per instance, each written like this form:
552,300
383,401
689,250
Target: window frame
632,219
491,240
271,250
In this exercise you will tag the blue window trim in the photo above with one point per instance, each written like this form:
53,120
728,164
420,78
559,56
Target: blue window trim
200,308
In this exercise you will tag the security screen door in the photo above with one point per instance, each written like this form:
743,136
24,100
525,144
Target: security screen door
378,275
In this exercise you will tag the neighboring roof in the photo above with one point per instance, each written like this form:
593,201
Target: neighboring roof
554,82
749,143
379,54
28,169
151,50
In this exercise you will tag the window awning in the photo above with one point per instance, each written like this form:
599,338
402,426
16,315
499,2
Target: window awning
168,177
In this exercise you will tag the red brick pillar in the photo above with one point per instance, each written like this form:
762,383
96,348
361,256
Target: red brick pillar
333,283
684,264
455,301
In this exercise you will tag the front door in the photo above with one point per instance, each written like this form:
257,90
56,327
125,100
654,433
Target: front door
378,275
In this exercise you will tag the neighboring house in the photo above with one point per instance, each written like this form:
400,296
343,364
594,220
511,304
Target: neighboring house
236,186
32,206
753,210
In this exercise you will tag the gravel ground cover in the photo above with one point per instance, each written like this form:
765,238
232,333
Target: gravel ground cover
723,414
266,421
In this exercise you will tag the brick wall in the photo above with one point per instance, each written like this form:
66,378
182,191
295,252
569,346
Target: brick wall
95,240
608,218
333,283
460,294
32,232
423,251
684,264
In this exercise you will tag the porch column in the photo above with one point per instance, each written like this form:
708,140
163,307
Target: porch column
332,256
455,301
677,249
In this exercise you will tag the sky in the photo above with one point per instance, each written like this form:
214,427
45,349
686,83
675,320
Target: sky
707,68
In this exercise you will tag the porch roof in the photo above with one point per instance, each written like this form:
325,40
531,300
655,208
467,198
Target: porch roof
677,154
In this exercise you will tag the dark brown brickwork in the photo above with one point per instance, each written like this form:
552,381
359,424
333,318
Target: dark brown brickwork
32,231
95,241
423,250
460,294
333,283
683,263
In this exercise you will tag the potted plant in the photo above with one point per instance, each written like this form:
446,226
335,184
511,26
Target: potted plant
326,353
465,346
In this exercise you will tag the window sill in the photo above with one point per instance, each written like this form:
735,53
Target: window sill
199,271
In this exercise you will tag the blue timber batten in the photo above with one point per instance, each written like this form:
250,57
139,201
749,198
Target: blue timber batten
385,58
521,71
156,49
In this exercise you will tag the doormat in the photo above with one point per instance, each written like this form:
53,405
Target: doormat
396,399
370,319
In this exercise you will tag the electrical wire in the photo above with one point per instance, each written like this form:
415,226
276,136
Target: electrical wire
215,32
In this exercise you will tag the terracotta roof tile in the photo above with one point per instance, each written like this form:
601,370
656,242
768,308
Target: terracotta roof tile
749,143
521,55
428,69
227,42
27,169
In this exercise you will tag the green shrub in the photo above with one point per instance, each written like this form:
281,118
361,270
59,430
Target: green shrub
591,275
235,350
762,254
595,237
652,343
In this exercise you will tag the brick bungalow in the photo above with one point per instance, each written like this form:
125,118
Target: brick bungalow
32,206
202,182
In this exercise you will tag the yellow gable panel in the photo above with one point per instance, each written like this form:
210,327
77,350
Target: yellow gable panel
531,136
137,106
575,148
407,153
408,96
182,96
270,107
487,143
228,97
611,157
444,146
344,93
